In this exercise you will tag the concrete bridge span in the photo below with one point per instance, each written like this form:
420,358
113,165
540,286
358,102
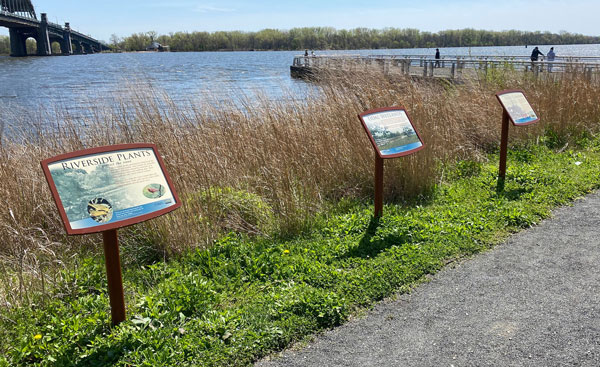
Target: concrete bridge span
20,18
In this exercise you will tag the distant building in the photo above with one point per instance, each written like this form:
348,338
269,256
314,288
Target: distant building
155,46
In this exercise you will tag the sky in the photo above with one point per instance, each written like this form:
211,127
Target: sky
101,19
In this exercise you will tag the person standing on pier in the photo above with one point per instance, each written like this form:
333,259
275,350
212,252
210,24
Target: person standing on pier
550,57
437,57
534,57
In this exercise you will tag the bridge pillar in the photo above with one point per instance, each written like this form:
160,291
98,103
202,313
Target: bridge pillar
65,46
88,48
18,47
43,40
78,48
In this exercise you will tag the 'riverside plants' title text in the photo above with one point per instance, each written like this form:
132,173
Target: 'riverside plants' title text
105,160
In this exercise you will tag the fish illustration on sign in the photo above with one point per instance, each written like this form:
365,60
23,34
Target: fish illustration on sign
100,210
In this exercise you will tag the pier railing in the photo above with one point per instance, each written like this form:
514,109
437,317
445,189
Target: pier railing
561,58
448,66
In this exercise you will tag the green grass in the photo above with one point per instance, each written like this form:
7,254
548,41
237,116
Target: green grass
245,298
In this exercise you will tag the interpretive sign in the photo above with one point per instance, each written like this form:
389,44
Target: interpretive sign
391,132
109,187
517,106
517,109
102,189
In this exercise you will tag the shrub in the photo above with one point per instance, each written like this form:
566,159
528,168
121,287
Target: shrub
230,209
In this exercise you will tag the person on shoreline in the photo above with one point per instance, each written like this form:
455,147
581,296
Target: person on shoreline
535,54
550,57
306,53
437,57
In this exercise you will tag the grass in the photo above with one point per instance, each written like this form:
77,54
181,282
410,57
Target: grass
275,239
246,297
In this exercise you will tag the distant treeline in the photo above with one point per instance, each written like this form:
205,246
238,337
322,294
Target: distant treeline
327,38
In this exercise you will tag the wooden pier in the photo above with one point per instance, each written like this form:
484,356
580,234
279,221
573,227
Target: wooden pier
455,67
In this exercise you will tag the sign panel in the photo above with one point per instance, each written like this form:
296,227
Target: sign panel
517,106
109,187
391,132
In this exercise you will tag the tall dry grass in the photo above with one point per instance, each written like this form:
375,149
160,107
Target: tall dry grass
257,165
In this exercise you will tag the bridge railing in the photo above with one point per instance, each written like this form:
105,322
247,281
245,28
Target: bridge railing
78,34
17,15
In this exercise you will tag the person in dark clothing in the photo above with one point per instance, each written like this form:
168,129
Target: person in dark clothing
535,54
534,57
437,57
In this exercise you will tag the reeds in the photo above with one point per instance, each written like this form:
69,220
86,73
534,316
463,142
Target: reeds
256,165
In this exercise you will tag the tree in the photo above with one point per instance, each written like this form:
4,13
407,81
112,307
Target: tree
115,41
323,38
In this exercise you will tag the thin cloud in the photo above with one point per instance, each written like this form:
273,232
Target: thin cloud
211,9
192,7
170,5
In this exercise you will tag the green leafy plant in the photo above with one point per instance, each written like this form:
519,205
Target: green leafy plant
233,210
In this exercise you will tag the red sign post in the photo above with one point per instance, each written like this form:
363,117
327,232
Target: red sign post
516,108
392,135
106,188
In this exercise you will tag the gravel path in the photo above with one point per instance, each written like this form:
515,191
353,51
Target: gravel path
532,301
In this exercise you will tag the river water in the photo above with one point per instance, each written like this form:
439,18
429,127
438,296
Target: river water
79,84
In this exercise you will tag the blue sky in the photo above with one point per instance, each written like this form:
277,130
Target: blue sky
103,18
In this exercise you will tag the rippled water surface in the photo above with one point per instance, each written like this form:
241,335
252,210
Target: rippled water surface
80,83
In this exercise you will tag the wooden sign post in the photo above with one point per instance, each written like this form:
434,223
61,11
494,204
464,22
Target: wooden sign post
393,135
517,109
103,189
113,276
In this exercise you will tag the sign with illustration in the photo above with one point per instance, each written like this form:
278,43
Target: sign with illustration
517,106
110,187
391,132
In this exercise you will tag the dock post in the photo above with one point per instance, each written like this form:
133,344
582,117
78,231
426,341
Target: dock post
431,68
424,68
588,73
453,71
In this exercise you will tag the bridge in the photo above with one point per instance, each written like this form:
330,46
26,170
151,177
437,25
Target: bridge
20,18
